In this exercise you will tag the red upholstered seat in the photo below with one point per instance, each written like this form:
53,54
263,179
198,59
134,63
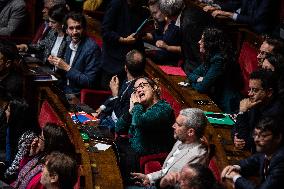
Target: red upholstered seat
94,98
248,63
213,167
166,95
97,39
152,166
152,163
47,114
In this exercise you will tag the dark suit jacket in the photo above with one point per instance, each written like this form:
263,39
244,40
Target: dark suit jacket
254,164
119,21
12,17
262,15
119,105
246,122
85,67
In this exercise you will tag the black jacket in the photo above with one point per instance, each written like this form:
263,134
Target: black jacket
247,121
254,165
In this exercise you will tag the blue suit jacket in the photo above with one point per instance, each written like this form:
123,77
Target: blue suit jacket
262,15
254,164
85,67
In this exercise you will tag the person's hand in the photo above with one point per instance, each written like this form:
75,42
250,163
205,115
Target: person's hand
222,14
200,79
169,179
239,143
230,171
147,37
247,104
22,47
133,99
59,63
114,85
97,113
161,44
209,8
145,180
128,40
34,148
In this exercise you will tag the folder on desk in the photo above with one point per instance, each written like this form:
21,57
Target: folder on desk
173,70
219,118
82,117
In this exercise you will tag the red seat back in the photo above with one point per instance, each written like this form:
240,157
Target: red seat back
213,167
97,39
248,63
152,163
47,114
166,95
94,98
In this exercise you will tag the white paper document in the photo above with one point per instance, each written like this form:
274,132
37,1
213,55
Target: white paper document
101,146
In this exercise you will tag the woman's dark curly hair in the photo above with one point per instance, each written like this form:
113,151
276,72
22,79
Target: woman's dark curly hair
215,42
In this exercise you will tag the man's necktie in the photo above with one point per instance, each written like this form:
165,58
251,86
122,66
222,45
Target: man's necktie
266,167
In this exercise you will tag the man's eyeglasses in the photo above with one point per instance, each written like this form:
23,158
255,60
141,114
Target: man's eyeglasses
142,85
261,135
254,90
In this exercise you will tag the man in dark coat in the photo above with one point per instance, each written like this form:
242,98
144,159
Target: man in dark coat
268,163
122,19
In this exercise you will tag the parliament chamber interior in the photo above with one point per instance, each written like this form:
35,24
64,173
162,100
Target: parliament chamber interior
113,94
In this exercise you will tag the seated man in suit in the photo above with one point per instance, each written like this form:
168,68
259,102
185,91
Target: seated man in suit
82,57
262,102
118,104
12,14
268,163
188,130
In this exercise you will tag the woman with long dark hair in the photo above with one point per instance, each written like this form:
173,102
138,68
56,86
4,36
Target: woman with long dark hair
217,75
52,138
55,41
20,119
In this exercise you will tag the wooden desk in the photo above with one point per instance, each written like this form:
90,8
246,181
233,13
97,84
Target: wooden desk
99,170
220,137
